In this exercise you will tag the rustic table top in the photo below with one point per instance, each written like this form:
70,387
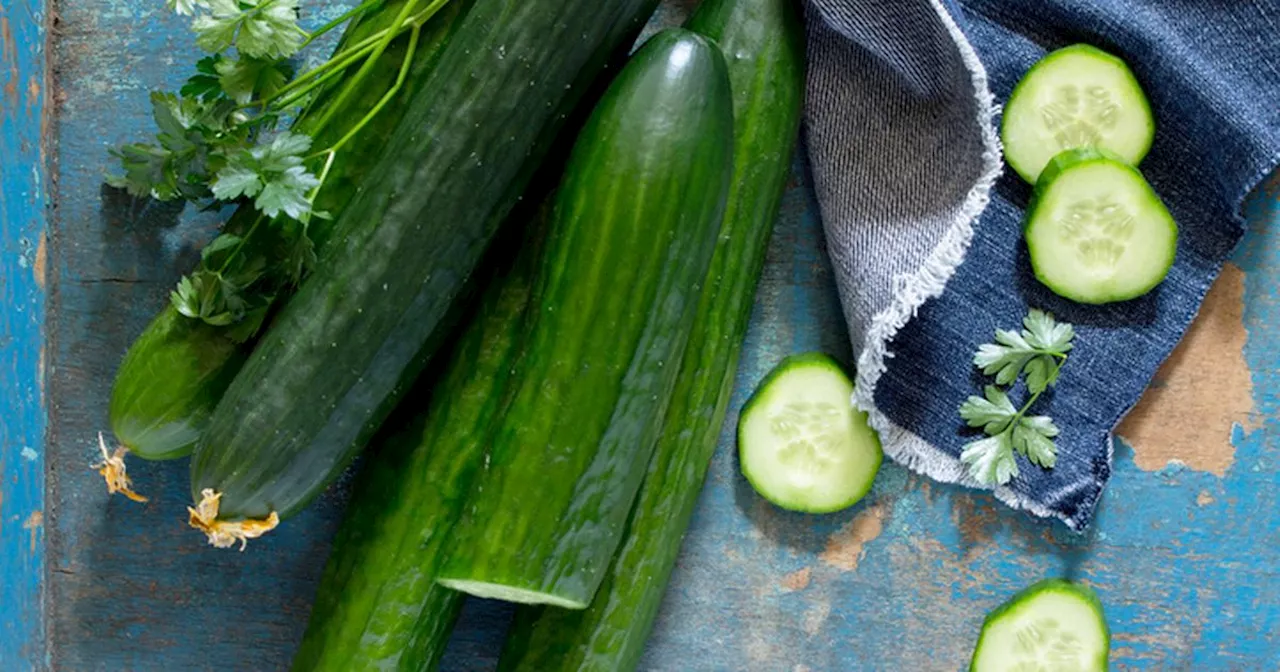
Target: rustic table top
1184,552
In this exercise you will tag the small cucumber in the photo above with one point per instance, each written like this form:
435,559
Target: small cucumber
1053,625
1096,231
801,443
1078,96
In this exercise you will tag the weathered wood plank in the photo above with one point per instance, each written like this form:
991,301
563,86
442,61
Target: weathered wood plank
1183,556
22,307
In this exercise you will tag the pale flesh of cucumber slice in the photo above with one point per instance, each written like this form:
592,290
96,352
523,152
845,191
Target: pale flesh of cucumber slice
1078,96
1053,626
1096,231
801,444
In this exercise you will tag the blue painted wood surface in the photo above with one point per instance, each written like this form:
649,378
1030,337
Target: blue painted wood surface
1185,560
22,304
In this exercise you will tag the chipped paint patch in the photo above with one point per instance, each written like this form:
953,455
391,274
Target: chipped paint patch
29,454
33,92
1204,498
33,523
798,580
1201,392
846,548
41,262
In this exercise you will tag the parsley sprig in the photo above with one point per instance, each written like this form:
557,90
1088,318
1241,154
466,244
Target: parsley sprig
219,142
1039,351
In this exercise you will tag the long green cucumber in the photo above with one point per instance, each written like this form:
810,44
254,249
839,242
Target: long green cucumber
378,606
175,373
630,240
336,358
766,39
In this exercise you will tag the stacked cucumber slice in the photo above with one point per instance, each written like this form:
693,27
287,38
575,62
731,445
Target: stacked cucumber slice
1076,127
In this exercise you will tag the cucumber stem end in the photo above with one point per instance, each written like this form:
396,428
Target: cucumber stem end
225,533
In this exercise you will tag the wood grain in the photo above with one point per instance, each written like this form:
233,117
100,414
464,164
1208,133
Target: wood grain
1183,559
23,200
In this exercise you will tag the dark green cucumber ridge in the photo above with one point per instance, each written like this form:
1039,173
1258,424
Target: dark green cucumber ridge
337,357
631,237
767,77
177,370
378,606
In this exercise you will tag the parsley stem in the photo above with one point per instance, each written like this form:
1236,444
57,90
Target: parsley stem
350,86
386,98
359,9
289,94
226,261
1022,412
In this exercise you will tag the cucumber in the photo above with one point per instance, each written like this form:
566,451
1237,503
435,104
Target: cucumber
1096,231
378,605
1077,96
630,240
176,371
337,357
767,76
801,444
1052,625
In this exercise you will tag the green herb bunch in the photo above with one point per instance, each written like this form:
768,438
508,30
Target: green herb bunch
221,139
1037,353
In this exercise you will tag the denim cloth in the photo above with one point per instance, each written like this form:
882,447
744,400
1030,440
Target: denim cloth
925,233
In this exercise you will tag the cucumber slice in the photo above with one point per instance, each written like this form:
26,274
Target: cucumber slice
1052,626
801,444
1078,96
1096,230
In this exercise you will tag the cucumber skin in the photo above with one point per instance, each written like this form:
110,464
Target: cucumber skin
631,238
1060,163
360,328
378,605
788,363
1093,52
1056,585
177,370
168,384
768,88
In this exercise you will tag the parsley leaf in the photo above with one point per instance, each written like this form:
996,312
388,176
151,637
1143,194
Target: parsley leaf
257,28
204,84
1039,351
215,293
248,78
993,414
185,7
1046,334
1033,438
272,174
990,460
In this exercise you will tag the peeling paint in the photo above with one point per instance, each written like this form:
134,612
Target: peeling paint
41,262
846,548
1201,392
29,454
33,523
33,92
797,580
1204,498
